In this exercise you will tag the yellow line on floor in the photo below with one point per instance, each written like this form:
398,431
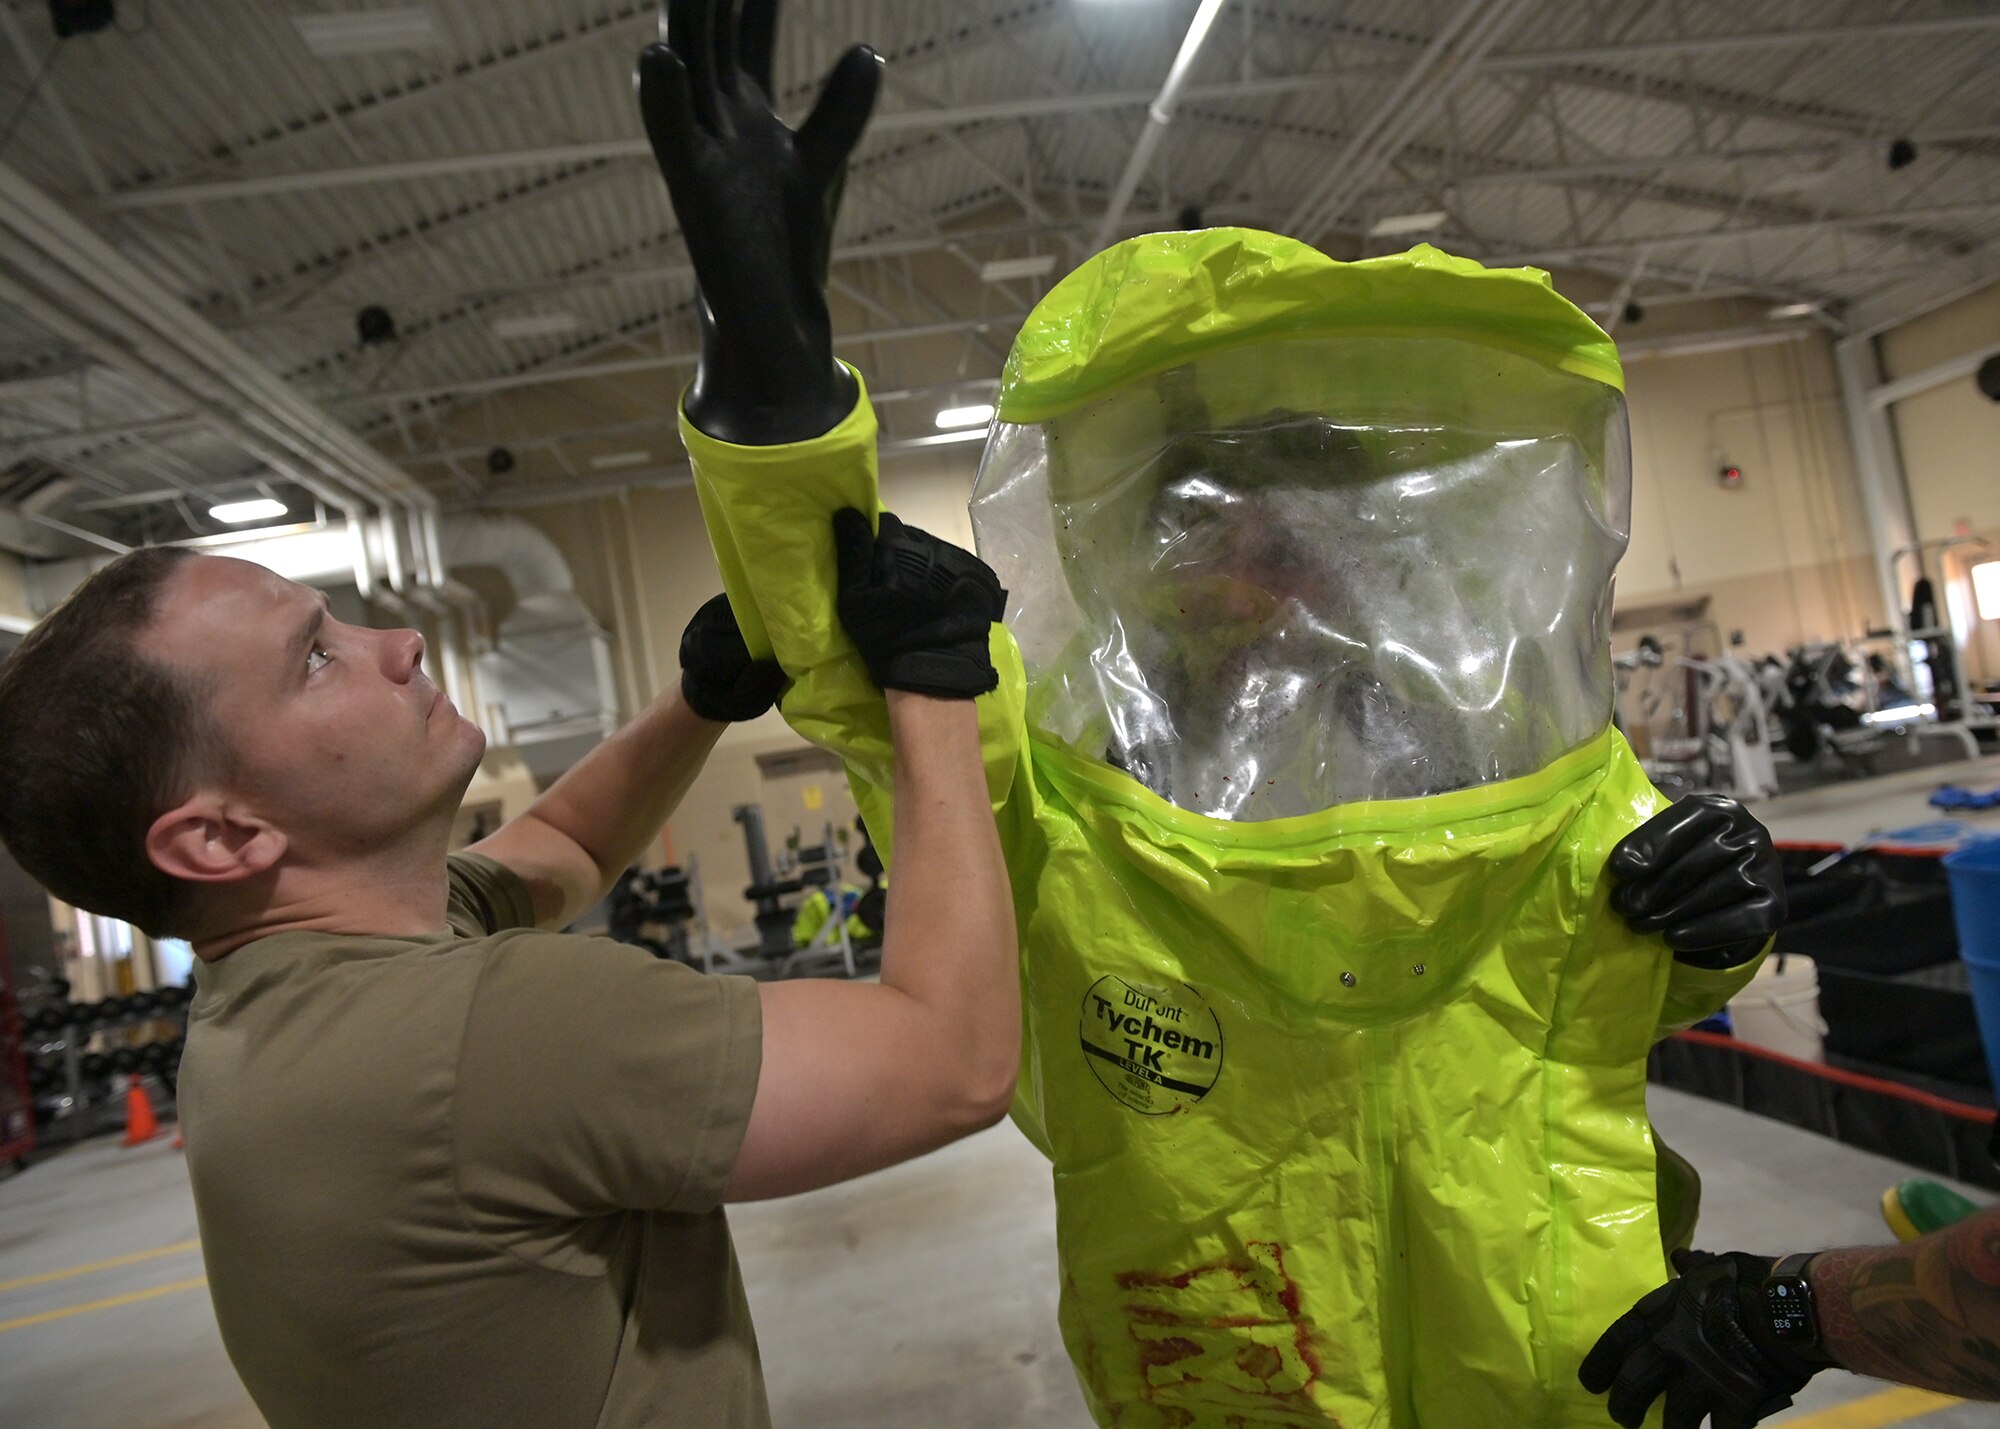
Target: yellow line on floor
177,1248
1895,1406
108,1304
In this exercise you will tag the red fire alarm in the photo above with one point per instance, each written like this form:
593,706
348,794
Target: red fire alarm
1731,476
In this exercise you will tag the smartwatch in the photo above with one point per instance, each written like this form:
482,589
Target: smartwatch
1788,1298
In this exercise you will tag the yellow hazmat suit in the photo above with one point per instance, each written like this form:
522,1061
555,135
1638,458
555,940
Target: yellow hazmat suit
1302,763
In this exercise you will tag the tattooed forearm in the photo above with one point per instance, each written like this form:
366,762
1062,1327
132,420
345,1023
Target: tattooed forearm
1926,1313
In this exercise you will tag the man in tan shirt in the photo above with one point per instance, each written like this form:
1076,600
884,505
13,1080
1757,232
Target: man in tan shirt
451,1169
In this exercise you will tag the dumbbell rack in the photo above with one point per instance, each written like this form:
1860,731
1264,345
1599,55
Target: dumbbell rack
17,1102
79,1093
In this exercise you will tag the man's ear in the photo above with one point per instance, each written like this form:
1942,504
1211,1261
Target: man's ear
205,841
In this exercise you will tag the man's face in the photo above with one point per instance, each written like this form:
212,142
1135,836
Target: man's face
333,731
1237,557
1242,548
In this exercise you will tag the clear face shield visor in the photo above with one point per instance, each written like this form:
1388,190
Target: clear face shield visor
1281,578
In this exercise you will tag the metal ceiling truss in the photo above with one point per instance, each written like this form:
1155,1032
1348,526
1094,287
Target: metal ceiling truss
1384,155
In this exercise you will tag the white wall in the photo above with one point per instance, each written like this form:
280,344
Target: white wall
1949,437
1785,557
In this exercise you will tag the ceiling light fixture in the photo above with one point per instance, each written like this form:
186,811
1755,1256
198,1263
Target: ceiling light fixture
612,460
367,32
238,513
977,415
1000,270
1794,310
1395,225
534,325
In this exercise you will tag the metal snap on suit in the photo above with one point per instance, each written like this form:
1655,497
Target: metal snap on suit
1303,765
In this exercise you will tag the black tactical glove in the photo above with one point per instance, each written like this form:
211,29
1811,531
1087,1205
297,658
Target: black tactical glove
756,202
916,607
719,680
1705,1341
1703,873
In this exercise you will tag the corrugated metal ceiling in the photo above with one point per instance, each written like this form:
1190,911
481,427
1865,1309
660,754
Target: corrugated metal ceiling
499,173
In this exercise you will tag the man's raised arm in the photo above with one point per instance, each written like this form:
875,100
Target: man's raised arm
858,1077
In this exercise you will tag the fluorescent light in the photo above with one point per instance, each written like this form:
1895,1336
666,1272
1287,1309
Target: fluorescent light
236,513
1986,589
617,459
1397,224
534,325
367,32
1000,270
943,439
1794,310
977,415
1896,714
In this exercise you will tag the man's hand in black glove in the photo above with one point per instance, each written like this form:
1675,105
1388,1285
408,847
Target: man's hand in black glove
756,202
917,608
719,680
1706,1342
1703,873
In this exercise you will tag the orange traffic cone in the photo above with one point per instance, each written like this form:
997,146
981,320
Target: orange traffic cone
140,1123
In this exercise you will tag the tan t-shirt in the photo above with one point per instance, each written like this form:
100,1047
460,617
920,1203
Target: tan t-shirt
473,1179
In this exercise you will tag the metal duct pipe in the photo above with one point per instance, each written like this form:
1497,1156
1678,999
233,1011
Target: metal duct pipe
1159,114
329,553
531,561
70,280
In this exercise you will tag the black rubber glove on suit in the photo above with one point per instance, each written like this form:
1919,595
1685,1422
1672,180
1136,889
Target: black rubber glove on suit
917,608
719,680
1706,1342
756,202
1703,874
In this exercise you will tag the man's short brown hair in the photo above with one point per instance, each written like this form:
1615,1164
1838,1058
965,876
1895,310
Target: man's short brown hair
96,742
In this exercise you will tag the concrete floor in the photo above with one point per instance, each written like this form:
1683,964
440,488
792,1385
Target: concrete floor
1852,811
919,1298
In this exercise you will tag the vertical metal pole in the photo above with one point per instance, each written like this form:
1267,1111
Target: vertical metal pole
1885,494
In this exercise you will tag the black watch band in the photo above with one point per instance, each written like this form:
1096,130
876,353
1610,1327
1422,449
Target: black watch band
1794,1314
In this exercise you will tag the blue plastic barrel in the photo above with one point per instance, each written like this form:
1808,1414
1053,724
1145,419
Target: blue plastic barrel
1974,871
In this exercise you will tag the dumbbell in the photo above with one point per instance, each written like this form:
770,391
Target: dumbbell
153,1057
52,1018
109,1010
168,998
141,1004
125,1059
94,1065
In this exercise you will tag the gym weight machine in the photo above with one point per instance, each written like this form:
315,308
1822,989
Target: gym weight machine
776,887
662,911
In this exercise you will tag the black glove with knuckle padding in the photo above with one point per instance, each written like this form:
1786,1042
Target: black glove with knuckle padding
1708,1342
917,607
1703,874
719,680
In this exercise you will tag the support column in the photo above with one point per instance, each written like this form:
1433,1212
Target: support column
1885,494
